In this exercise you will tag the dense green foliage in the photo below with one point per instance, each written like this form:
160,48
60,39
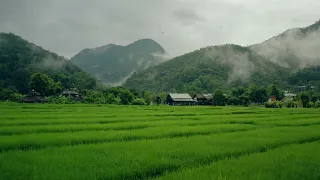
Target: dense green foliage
112,64
306,77
134,142
209,69
287,60
21,62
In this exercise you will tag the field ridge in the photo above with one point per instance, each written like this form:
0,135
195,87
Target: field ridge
202,162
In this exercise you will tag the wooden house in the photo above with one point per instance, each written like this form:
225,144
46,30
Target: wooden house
273,99
33,97
203,99
288,96
73,94
175,99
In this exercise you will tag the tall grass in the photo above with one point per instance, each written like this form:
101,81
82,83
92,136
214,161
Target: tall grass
40,141
146,158
294,162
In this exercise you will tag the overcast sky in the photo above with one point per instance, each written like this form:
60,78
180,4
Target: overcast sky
180,26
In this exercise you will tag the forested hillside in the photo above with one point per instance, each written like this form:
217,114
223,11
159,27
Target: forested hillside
306,77
209,69
287,60
20,61
296,48
113,64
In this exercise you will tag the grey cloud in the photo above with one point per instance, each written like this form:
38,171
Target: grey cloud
67,26
187,16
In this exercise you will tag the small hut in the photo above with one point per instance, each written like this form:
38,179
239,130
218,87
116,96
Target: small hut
68,93
72,94
33,97
203,99
179,99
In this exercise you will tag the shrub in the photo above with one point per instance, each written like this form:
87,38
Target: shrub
310,105
244,100
317,104
291,104
59,100
276,104
138,102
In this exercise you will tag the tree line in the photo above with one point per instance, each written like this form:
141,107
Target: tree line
258,95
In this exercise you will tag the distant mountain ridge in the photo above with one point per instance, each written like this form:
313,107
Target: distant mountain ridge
295,48
19,59
278,60
113,64
207,69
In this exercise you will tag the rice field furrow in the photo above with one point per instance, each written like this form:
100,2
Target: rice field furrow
84,141
303,163
218,119
43,140
147,158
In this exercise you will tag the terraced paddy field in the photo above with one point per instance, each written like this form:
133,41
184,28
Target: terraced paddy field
49,142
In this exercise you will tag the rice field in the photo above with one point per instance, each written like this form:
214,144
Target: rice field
149,142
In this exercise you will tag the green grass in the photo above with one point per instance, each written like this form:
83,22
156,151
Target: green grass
40,141
294,162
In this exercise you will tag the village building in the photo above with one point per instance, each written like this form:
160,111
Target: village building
73,94
175,99
288,96
273,99
33,97
203,99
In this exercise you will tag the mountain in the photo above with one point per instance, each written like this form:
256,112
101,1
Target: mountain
20,59
279,60
296,48
208,69
113,64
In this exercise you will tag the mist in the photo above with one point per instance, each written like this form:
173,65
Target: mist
294,49
239,63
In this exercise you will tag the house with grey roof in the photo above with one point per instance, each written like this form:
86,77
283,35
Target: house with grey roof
203,99
175,99
288,96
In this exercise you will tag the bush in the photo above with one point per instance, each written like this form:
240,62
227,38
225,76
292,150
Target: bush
317,104
138,101
244,100
59,100
276,104
310,105
291,104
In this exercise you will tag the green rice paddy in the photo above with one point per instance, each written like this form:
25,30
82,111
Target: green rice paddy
49,142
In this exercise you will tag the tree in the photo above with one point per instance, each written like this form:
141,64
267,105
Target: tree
238,92
44,84
219,98
258,94
233,101
158,100
6,94
147,96
304,97
126,97
244,100
275,91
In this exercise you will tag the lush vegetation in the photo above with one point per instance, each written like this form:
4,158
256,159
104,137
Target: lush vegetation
309,77
24,65
303,163
145,142
209,69
112,64
287,60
